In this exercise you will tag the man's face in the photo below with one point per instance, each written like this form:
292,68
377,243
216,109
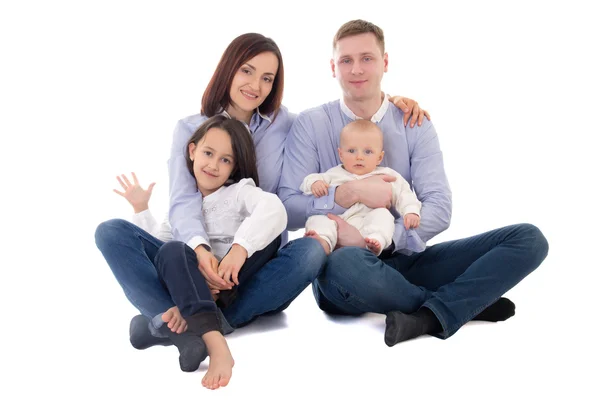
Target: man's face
359,65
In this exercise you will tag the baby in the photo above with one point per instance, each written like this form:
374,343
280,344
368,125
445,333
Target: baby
361,152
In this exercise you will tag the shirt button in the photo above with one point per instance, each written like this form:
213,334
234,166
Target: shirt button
325,205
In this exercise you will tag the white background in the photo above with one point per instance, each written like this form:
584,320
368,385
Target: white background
93,89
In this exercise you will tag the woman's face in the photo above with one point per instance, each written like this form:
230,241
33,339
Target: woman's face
253,82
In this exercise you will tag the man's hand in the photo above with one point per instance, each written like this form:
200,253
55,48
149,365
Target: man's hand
411,110
411,221
348,235
231,264
319,188
208,266
374,192
134,194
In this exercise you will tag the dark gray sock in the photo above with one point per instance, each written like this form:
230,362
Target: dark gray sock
140,336
400,327
192,349
501,310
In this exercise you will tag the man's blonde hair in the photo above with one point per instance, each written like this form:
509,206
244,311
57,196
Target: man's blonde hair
357,27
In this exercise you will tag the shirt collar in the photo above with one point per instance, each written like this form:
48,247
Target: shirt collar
378,116
254,121
263,116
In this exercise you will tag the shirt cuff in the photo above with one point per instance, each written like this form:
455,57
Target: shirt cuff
407,242
326,204
249,249
145,215
197,241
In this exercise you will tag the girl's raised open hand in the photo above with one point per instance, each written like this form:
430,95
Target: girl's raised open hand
134,193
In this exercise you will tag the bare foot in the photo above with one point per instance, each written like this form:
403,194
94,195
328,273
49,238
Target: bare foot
315,235
373,245
221,361
172,317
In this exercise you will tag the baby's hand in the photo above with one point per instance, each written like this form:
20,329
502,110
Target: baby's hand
135,194
411,221
319,188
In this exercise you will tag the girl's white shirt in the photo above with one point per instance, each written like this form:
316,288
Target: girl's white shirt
239,213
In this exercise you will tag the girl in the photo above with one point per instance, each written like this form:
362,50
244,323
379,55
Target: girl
242,223
247,85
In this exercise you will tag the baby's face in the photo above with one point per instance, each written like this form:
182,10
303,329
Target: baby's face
361,152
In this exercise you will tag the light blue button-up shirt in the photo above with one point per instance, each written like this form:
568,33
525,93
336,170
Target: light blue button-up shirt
312,147
185,201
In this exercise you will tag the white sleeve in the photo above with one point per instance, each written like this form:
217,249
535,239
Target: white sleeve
265,221
147,222
405,201
307,183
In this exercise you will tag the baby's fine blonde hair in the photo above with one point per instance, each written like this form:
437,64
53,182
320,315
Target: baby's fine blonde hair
360,126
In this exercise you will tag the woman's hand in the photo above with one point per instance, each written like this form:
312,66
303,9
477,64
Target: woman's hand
411,110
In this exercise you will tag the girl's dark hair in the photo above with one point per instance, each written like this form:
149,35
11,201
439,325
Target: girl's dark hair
244,153
240,50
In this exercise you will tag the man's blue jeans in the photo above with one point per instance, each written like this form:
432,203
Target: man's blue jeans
130,252
456,280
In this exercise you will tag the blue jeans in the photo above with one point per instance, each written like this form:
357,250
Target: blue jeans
177,266
456,280
130,252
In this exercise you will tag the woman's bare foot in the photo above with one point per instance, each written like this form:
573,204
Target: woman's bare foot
172,317
324,243
221,361
373,245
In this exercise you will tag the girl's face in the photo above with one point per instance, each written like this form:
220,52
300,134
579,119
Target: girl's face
253,82
213,160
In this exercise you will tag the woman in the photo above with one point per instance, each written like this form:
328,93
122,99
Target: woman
247,85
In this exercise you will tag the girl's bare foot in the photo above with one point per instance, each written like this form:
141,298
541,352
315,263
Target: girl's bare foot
221,361
373,245
172,317
323,242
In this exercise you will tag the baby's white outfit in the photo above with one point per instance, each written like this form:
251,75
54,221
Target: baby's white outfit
375,223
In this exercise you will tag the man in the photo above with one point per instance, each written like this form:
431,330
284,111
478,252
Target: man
423,290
